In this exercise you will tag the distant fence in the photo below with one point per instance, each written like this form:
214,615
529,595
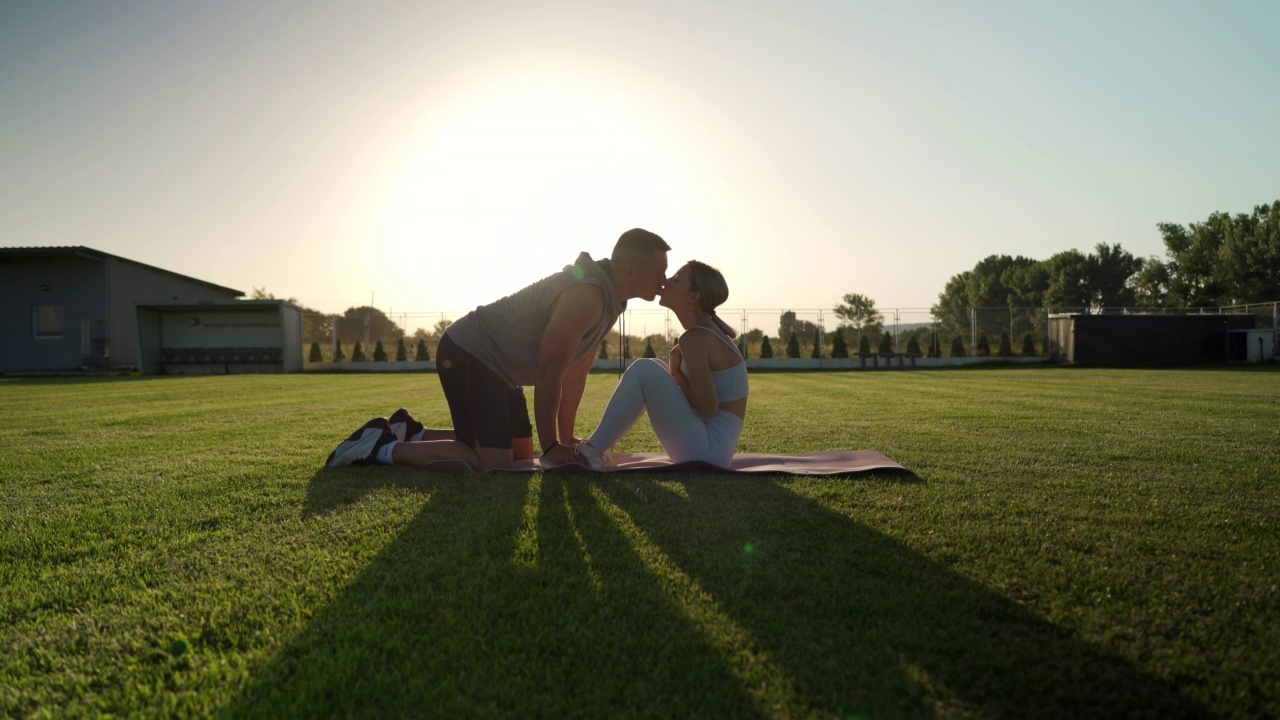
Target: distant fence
659,327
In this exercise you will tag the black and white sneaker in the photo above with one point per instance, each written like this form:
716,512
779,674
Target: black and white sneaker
403,425
362,447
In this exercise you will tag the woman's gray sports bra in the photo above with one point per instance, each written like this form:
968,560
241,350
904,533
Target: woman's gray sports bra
731,382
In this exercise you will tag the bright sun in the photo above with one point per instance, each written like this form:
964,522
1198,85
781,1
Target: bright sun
513,187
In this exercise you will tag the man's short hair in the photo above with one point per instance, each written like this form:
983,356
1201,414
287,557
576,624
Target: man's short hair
636,246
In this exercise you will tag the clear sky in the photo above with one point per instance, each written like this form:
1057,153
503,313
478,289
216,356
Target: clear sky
437,155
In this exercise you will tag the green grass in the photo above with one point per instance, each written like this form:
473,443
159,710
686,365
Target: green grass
1076,543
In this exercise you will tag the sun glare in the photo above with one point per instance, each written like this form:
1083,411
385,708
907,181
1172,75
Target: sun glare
514,186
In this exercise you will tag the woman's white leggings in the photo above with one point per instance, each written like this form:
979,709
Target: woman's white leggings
684,434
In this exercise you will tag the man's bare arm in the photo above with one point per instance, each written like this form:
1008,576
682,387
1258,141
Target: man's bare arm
577,311
575,381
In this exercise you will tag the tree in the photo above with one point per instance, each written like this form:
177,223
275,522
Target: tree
793,347
379,355
648,349
984,347
338,355
858,312
1250,256
1006,345
817,344
864,347
935,347
357,355
315,355
766,350
1151,287
1224,260
402,353
437,331
913,347
952,308
886,345
422,353
788,325
1028,345
957,347
316,326
1110,273
604,349
352,324
1068,274
838,347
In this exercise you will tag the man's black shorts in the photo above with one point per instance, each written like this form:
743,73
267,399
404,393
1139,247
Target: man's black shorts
485,410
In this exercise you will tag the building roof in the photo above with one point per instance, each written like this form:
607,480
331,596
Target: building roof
90,253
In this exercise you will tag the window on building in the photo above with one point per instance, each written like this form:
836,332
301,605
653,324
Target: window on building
48,320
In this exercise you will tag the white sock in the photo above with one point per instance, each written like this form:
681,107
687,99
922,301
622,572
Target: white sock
384,453
418,435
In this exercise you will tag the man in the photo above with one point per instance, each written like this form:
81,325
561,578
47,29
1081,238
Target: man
545,335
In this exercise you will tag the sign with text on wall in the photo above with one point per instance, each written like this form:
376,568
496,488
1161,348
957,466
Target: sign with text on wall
258,328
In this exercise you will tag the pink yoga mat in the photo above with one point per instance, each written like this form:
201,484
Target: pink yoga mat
830,462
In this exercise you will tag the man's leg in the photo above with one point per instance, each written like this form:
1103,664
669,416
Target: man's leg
423,454
521,428
478,406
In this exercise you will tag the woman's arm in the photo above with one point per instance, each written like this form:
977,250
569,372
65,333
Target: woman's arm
695,374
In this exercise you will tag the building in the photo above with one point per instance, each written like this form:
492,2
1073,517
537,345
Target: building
76,309
1143,340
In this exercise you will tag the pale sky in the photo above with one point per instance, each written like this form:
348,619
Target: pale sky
437,155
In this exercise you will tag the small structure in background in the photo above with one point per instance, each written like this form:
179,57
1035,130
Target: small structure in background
214,338
1146,340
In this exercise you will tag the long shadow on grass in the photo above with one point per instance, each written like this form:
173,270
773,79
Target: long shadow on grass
621,596
507,595
864,625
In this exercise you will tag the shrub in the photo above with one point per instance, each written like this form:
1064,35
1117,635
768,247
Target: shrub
886,344
1028,345
357,354
379,355
1006,347
422,353
817,344
984,347
838,348
766,350
338,355
648,350
742,345
402,352
864,347
604,349
913,346
793,347
957,347
315,355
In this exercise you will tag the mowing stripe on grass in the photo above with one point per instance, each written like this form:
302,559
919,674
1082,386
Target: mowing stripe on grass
766,682
526,550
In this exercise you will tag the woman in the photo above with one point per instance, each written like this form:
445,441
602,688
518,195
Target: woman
698,402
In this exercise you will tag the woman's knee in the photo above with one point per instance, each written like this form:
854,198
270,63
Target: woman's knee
646,367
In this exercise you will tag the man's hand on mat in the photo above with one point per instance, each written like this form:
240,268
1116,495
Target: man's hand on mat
560,454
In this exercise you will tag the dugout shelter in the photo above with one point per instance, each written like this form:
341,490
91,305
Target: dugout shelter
215,338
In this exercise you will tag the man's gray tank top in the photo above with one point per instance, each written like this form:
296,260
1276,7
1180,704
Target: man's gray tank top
505,335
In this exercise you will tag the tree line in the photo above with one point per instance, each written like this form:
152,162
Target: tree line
1224,260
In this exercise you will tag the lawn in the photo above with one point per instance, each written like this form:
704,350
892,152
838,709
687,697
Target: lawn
1075,543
